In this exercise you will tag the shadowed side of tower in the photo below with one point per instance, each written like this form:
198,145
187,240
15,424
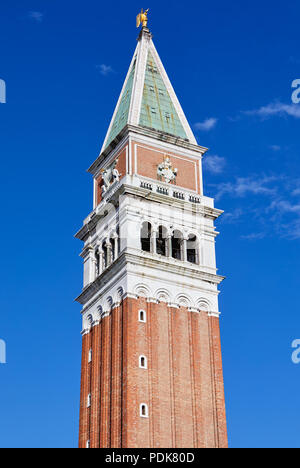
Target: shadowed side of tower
151,353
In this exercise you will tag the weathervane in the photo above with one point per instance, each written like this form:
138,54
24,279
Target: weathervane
142,18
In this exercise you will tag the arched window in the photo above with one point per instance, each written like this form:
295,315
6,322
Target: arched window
113,249
97,260
143,363
176,245
146,237
144,410
142,316
118,250
105,254
90,356
88,444
89,400
192,249
161,241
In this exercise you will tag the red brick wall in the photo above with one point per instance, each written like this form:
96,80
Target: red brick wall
183,385
116,377
218,382
95,386
84,418
148,158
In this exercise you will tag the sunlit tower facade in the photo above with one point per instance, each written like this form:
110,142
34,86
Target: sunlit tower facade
151,354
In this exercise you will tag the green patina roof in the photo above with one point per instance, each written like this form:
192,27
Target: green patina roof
121,116
157,109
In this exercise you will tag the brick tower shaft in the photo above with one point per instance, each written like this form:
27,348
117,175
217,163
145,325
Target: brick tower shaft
151,353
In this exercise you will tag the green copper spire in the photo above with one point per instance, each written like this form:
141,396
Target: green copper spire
121,117
148,99
157,109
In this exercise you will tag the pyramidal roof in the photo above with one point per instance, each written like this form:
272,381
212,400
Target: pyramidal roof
147,98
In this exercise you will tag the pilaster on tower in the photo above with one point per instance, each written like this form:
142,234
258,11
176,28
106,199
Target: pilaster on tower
151,362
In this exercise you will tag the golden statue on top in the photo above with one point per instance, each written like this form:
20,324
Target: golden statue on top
142,18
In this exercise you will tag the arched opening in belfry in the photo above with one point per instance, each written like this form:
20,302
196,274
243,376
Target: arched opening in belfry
192,248
118,249
105,254
161,241
146,237
176,245
97,261
112,249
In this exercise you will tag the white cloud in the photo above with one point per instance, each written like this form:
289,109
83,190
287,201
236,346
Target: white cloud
269,200
104,69
248,185
232,217
214,163
296,192
285,218
275,147
207,125
36,16
254,236
276,109
284,206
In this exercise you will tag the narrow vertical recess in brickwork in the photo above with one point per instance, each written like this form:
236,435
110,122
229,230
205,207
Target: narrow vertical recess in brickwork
206,379
171,371
122,372
116,377
82,390
182,379
161,402
154,412
95,387
192,369
213,379
141,376
85,390
105,383
150,369
221,427
196,352
111,346
135,427
126,306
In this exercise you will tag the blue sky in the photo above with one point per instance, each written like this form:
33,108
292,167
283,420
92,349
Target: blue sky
232,66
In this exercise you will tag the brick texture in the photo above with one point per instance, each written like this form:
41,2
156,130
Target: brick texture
182,385
146,159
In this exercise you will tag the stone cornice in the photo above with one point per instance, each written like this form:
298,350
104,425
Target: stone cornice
88,227
123,188
122,266
212,213
157,135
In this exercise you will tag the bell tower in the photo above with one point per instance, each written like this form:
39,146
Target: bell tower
151,354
